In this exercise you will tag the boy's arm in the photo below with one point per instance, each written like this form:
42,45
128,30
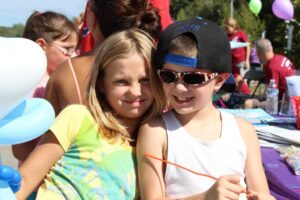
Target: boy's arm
151,140
38,163
254,171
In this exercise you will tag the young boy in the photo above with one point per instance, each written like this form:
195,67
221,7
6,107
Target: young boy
193,59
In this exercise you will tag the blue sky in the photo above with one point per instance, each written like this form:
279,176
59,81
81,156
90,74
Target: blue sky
17,11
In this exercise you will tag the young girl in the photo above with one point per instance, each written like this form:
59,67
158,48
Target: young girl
58,37
193,61
240,56
88,153
68,84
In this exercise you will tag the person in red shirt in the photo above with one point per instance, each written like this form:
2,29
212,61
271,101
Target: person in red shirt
163,7
276,66
240,56
87,41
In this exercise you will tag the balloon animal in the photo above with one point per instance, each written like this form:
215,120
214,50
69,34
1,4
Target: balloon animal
22,66
10,180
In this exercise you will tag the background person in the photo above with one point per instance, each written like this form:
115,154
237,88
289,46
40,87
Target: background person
240,56
163,7
275,66
56,35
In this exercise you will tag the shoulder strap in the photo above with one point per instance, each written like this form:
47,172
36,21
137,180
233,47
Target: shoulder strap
75,81
171,122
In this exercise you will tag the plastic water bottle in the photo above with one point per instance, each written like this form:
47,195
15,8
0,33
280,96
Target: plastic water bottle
272,98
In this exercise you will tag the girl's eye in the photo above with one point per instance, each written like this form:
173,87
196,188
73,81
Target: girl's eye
121,82
145,81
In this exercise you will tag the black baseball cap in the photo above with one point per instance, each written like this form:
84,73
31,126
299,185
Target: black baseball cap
214,51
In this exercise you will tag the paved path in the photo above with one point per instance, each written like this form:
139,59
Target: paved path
6,156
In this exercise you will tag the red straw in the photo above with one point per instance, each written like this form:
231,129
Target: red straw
168,162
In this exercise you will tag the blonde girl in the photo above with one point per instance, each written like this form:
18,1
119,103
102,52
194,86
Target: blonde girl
88,153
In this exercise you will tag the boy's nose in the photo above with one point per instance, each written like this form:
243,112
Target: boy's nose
179,85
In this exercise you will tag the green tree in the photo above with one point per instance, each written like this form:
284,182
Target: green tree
252,24
14,31
213,10
218,11
177,5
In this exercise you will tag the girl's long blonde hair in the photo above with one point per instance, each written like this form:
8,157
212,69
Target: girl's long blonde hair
119,45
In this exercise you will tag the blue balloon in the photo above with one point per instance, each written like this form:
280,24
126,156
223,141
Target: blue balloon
11,176
6,173
10,181
30,119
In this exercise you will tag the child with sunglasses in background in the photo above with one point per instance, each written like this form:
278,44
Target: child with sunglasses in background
58,37
88,153
210,153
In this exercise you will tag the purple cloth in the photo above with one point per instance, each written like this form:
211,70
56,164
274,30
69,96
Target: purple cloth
283,182
253,56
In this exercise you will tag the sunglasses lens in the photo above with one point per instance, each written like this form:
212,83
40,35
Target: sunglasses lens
167,76
194,79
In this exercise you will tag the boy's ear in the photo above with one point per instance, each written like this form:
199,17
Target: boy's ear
42,43
220,80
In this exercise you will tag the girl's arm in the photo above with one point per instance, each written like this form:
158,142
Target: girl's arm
38,163
152,140
21,151
254,171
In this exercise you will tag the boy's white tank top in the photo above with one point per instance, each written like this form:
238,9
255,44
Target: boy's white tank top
223,156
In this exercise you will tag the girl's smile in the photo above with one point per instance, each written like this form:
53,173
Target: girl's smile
127,88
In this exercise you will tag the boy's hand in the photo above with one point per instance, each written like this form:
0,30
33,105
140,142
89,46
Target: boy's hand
11,176
226,187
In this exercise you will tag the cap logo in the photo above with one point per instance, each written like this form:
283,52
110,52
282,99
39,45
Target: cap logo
192,27
181,60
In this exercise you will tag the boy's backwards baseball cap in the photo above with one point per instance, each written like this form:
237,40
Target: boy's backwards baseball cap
214,51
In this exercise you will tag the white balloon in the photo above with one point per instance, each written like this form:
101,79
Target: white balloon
23,64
